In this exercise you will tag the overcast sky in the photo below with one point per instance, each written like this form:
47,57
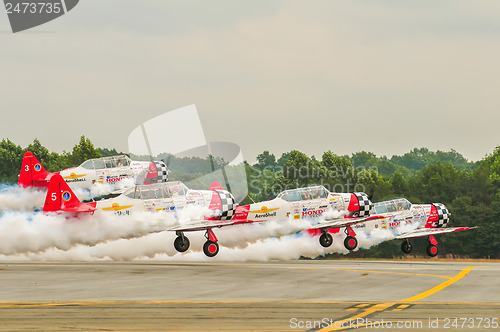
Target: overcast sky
346,76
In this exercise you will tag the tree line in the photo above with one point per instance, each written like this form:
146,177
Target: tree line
471,190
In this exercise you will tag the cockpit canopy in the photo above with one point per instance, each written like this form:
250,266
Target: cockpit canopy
157,190
106,162
395,205
303,194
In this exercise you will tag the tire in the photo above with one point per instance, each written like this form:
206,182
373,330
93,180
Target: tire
350,242
432,250
355,214
211,248
406,247
181,244
326,240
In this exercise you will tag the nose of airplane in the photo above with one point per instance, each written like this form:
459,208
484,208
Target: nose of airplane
443,214
359,205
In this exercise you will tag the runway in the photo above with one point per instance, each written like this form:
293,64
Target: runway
315,295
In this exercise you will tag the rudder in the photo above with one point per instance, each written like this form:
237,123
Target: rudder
32,173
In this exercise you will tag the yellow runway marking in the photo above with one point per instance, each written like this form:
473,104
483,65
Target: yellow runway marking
362,305
401,307
336,326
441,286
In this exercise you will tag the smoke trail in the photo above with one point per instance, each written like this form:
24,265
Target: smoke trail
22,232
240,243
15,198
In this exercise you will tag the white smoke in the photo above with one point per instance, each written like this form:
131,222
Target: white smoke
15,198
239,243
22,232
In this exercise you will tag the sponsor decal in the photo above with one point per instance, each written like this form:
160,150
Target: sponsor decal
264,212
312,213
323,207
376,225
384,227
264,209
297,216
115,178
116,207
74,178
394,224
66,196
38,167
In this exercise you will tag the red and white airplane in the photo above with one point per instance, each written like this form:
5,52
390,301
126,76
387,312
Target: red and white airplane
112,170
404,220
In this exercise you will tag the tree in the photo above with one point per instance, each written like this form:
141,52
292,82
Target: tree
84,150
11,156
266,160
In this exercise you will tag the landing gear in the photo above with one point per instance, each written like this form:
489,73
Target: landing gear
326,239
181,243
406,246
432,250
211,248
350,242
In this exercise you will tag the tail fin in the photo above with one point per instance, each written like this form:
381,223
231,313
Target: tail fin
216,186
33,174
60,197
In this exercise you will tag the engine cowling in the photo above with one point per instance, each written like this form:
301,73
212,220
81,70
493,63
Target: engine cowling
223,205
359,205
439,216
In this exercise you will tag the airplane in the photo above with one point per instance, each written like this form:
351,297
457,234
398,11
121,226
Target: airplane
310,203
405,220
111,170
165,196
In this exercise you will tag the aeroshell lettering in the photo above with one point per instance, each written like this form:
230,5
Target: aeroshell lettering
76,180
266,215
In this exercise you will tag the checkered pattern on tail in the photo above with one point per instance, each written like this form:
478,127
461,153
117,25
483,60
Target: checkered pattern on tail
443,214
228,205
365,204
162,170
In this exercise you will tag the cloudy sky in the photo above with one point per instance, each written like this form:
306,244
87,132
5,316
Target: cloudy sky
346,76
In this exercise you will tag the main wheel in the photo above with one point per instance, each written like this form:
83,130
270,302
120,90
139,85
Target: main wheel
181,243
406,247
350,242
326,240
432,250
211,248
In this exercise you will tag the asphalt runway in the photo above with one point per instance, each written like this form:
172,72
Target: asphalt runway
314,295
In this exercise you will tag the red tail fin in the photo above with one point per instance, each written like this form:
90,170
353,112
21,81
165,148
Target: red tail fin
33,174
216,186
60,197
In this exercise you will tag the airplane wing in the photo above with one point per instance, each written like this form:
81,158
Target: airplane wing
206,224
421,232
344,222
